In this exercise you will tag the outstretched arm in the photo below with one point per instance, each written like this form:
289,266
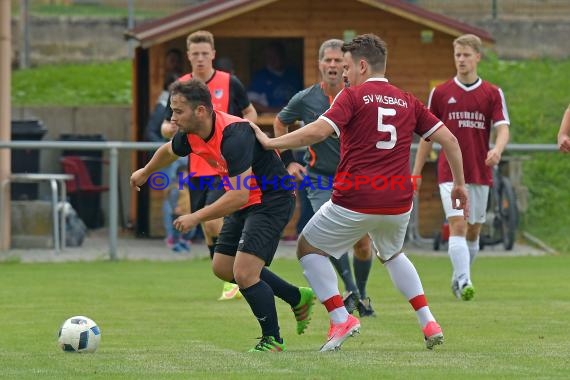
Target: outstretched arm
293,168
564,132
310,134
163,157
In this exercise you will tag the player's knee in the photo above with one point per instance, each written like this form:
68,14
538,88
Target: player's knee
457,226
222,272
362,250
245,277
303,247
473,231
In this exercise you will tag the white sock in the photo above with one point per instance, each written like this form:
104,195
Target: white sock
459,255
424,316
320,273
406,279
404,276
473,247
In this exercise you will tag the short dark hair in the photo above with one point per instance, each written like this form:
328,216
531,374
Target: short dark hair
194,91
369,47
176,52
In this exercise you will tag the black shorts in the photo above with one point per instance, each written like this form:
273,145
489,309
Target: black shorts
256,229
203,193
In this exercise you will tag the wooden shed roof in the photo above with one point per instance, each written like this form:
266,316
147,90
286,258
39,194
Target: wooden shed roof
214,11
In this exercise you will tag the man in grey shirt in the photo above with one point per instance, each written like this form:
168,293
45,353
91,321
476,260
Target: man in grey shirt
322,161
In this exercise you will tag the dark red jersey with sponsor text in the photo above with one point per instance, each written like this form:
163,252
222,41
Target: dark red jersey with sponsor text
376,122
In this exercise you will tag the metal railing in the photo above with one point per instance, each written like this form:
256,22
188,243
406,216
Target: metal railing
413,233
113,148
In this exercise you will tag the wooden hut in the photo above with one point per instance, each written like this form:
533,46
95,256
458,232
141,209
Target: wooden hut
419,55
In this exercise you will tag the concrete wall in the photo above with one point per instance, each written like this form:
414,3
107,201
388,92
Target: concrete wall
529,39
500,9
31,224
75,39
523,29
72,39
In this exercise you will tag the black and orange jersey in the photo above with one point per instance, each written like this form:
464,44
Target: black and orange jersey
231,149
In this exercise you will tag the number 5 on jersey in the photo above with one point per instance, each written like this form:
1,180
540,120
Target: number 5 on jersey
388,128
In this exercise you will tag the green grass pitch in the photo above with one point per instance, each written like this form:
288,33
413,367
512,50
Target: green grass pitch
161,320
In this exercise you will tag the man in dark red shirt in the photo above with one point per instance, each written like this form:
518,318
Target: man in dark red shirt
372,192
470,107
322,161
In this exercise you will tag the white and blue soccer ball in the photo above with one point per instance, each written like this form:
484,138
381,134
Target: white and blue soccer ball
79,334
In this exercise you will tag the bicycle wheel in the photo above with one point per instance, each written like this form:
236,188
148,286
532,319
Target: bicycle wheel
492,230
509,213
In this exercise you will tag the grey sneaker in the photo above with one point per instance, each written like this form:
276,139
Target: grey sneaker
455,289
350,301
365,308
465,292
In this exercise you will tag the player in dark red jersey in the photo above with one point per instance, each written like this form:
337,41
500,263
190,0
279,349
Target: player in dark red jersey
470,107
372,192
322,160
256,207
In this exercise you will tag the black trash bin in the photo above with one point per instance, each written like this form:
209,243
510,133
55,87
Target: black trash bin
26,160
88,204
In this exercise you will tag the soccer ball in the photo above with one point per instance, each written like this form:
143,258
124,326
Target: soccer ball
79,334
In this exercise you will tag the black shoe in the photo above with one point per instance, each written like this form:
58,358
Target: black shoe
350,301
365,308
